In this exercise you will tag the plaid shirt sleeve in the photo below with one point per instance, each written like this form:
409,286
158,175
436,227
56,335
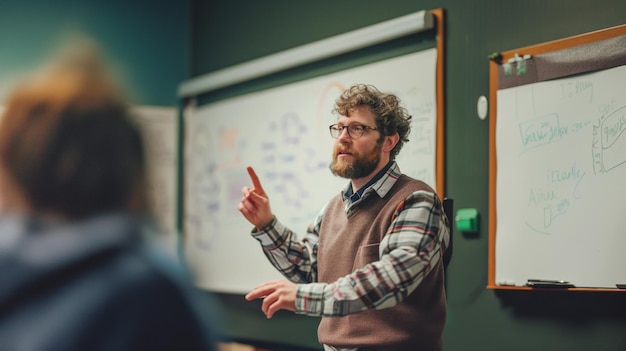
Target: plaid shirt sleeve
411,247
295,259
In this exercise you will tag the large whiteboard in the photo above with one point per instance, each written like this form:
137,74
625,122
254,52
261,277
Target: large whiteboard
283,133
561,156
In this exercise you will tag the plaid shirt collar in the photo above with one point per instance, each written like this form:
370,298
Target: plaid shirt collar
381,184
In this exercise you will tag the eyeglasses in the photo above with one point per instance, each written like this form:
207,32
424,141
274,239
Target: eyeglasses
355,130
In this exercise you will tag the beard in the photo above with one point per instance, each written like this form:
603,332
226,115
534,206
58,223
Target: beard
361,165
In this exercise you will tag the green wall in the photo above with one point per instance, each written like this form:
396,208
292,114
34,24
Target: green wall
225,33
146,41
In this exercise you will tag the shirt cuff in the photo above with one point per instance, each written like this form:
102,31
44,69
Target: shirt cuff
310,299
269,233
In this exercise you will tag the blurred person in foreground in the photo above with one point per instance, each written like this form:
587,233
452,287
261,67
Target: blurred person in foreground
78,270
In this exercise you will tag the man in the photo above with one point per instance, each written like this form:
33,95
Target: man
371,262
77,271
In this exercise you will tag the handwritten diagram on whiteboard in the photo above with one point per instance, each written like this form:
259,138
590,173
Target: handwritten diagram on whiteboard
283,133
561,155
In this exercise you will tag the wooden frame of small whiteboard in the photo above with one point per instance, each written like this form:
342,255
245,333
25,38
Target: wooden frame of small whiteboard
494,83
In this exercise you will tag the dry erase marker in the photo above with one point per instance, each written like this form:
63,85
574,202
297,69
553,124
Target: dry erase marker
541,283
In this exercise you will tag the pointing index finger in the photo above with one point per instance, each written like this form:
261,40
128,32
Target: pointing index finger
255,180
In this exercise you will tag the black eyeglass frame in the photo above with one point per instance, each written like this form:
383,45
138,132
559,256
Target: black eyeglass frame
354,134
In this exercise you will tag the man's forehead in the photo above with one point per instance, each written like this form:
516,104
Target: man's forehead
360,111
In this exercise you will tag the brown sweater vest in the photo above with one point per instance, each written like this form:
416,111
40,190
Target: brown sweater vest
349,243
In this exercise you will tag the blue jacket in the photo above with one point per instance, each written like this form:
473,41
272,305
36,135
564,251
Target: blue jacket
94,285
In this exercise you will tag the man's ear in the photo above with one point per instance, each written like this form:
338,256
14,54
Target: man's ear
390,142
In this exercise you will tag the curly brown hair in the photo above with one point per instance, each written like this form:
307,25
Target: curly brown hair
391,117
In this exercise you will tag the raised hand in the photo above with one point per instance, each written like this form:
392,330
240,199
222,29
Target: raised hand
255,205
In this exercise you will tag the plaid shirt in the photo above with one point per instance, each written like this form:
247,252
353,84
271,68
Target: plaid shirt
405,266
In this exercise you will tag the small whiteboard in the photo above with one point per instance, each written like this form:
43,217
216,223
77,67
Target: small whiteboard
558,163
159,127
561,180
